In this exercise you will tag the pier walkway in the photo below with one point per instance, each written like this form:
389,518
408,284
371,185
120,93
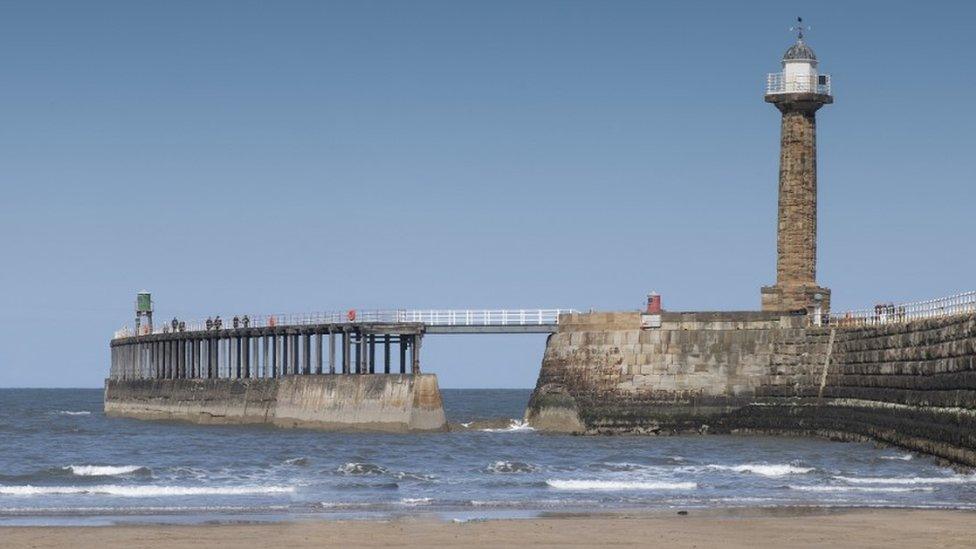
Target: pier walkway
270,346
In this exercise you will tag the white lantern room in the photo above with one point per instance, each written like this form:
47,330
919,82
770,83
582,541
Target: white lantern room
799,73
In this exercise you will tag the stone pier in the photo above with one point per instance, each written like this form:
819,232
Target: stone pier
280,375
910,384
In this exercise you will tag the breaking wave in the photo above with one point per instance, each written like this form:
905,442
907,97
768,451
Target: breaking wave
614,485
143,491
357,468
510,467
901,457
515,426
775,470
889,489
961,479
105,470
416,501
70,413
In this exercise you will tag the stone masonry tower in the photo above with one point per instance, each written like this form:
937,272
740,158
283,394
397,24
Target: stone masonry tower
798,92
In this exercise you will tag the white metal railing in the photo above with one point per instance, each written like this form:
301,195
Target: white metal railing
484,317
776,82
890,313
432,317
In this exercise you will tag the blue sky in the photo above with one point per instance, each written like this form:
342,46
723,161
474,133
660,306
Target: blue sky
294,156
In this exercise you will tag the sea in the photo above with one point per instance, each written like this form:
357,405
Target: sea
63,462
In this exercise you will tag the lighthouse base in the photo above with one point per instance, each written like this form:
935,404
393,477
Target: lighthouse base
810,299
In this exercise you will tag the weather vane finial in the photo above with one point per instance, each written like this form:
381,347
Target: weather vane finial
798,27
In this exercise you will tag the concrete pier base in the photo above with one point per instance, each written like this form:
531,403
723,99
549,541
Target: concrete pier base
387,403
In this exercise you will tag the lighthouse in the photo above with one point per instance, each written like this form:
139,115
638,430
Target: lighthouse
797,91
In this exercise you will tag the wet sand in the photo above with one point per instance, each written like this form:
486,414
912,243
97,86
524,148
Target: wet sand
754,529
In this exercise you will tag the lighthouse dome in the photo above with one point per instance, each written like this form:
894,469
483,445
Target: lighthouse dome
799,52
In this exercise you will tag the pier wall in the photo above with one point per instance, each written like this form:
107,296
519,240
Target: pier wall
390,403
910,384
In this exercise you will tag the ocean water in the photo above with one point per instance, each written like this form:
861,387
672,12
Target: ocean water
63,462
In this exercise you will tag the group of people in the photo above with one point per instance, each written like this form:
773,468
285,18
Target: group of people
238,322
174,326
213,323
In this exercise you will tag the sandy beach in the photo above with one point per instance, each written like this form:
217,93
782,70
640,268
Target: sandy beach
754,529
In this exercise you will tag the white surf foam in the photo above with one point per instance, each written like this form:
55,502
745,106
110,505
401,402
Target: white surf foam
357,468
613,485
415,501
143,491
510,467
70,413
959,479
887,489
766,470
515,426
902,457
102,470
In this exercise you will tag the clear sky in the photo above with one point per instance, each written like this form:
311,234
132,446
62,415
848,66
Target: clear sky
295,156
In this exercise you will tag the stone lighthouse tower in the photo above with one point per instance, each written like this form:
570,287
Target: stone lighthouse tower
798,92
